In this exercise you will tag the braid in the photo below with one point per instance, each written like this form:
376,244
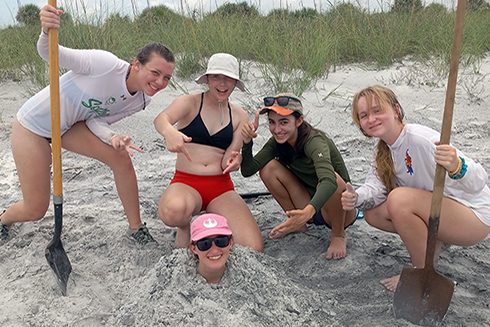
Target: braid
384,166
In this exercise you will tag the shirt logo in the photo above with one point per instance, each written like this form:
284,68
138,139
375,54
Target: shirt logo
320,155
94,106
408,163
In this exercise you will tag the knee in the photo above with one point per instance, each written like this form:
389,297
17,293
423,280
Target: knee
172,212
397,202
269,170
121,162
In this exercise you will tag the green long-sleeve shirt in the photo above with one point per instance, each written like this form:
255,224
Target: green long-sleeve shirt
316,168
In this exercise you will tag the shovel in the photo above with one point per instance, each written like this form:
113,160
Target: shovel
423,295
55,254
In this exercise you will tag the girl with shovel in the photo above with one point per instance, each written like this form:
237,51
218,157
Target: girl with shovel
98,90
396,195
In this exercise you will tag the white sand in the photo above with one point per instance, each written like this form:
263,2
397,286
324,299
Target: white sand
117,283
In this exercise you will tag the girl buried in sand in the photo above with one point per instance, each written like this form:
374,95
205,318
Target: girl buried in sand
211,241
308,176
396,195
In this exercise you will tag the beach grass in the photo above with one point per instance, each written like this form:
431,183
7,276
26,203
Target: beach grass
293,48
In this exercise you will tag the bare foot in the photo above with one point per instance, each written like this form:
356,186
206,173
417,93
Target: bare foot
337,248
391,283
273,235
182,238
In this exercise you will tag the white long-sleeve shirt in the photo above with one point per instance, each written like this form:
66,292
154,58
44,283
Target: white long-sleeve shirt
413,158
93,90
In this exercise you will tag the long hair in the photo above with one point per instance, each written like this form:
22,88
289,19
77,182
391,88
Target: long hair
386,100
304,131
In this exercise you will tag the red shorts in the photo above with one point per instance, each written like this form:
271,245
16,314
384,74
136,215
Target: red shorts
209,187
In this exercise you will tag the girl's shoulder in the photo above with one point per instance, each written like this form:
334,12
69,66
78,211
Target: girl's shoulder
418,131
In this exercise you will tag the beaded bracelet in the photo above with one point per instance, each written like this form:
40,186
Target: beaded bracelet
461,171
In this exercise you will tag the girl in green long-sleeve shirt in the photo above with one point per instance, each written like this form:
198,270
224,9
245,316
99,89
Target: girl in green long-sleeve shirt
303,170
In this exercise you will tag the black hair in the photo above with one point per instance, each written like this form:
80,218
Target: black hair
157,48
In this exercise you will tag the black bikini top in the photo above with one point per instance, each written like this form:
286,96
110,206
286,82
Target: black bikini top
200,134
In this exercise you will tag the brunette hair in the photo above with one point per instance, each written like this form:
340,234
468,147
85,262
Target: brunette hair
386,100
304,131
155,48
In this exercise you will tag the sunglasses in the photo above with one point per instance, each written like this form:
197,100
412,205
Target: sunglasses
221,241
280,100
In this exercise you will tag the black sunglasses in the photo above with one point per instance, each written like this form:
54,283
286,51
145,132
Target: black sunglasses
221,241
281,100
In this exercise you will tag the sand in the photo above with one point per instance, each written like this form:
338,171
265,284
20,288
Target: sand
116,282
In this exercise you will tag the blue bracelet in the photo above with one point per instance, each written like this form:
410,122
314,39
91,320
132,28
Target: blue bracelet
459,174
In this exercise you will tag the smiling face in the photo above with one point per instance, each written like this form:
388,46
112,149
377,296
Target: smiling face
379,119
221,86
155,75
214,259
284,128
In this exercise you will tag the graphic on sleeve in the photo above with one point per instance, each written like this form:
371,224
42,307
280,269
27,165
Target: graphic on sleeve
408,163
320,155
94,106
110,101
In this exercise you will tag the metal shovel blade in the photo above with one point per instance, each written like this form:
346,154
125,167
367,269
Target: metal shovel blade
422,296
59,263
55,253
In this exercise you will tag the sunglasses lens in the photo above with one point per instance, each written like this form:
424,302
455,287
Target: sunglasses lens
282,101
204,245
222,241
269,101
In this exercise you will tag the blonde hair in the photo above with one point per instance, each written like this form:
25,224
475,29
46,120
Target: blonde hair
386,100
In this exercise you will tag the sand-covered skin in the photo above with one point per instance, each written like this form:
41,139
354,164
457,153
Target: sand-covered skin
115,282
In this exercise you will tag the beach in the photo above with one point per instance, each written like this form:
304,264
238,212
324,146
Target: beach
116,282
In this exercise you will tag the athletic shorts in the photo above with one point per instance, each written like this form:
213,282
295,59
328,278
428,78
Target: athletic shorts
318,219
209,187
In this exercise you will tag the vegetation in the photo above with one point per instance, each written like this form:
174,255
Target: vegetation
292,48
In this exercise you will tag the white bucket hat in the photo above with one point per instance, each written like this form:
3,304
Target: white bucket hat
224,64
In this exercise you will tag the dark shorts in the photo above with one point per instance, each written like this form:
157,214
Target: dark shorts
49,139
318,219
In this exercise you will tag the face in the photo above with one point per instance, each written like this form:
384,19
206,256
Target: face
215,257
155,75
221,86
284,128
378,121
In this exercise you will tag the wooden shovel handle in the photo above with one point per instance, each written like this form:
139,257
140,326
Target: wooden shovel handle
54,86
440,175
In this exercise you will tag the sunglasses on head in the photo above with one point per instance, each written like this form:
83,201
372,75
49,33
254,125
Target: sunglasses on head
221,241
280,100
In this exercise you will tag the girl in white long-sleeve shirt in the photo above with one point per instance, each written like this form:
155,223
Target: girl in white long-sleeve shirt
397,193
98,90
